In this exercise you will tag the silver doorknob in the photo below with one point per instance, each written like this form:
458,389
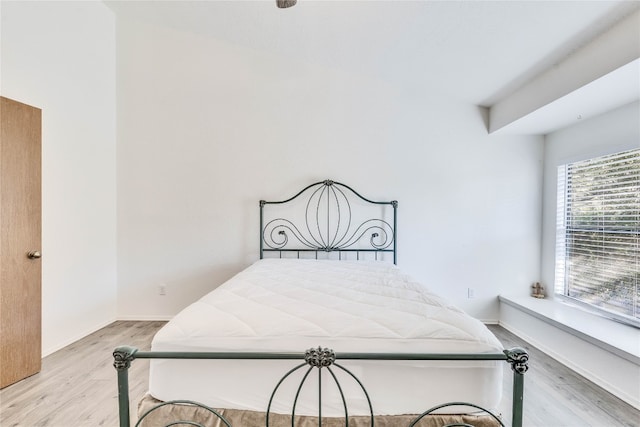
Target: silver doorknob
34,255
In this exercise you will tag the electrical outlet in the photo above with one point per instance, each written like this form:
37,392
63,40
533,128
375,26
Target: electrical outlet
162,289
471,293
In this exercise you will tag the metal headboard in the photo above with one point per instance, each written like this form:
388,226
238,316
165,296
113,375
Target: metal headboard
327,223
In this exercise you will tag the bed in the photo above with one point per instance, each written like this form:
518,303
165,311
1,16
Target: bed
324,329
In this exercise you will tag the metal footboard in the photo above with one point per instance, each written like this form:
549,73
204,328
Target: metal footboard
319,358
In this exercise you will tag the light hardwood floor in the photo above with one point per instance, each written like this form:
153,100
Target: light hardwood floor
77,387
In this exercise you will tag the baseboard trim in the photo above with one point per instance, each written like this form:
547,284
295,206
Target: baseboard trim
50,350
146,318
611,388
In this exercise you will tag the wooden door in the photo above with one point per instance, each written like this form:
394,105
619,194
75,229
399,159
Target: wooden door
20,237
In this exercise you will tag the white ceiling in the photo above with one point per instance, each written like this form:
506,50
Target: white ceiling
476,51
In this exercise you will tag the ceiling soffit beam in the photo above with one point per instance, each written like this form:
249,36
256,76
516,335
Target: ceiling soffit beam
611,50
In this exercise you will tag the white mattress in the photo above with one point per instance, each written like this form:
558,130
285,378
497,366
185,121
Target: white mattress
287,305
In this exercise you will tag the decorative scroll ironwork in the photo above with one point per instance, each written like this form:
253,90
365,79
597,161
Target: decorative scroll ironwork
518,358
319,358
450,404
328,224
184,422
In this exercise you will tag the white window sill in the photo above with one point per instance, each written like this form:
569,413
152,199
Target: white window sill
622,340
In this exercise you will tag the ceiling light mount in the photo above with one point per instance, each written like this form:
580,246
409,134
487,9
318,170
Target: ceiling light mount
283,4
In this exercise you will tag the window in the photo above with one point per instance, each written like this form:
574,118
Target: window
598,234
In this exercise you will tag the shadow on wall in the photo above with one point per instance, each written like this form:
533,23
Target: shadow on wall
484,114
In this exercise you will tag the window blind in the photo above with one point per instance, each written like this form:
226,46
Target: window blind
598,233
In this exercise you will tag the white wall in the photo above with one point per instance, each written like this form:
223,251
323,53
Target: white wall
613,132
207,128
60,57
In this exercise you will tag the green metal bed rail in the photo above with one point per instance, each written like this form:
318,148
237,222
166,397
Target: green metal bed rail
318,358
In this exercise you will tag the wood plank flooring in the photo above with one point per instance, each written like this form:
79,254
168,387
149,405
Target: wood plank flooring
556,396
77,387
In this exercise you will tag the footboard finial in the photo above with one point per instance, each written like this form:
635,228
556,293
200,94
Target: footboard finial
122,357
518,358
319,357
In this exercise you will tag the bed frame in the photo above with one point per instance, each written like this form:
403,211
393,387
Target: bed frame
318,358
327,225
